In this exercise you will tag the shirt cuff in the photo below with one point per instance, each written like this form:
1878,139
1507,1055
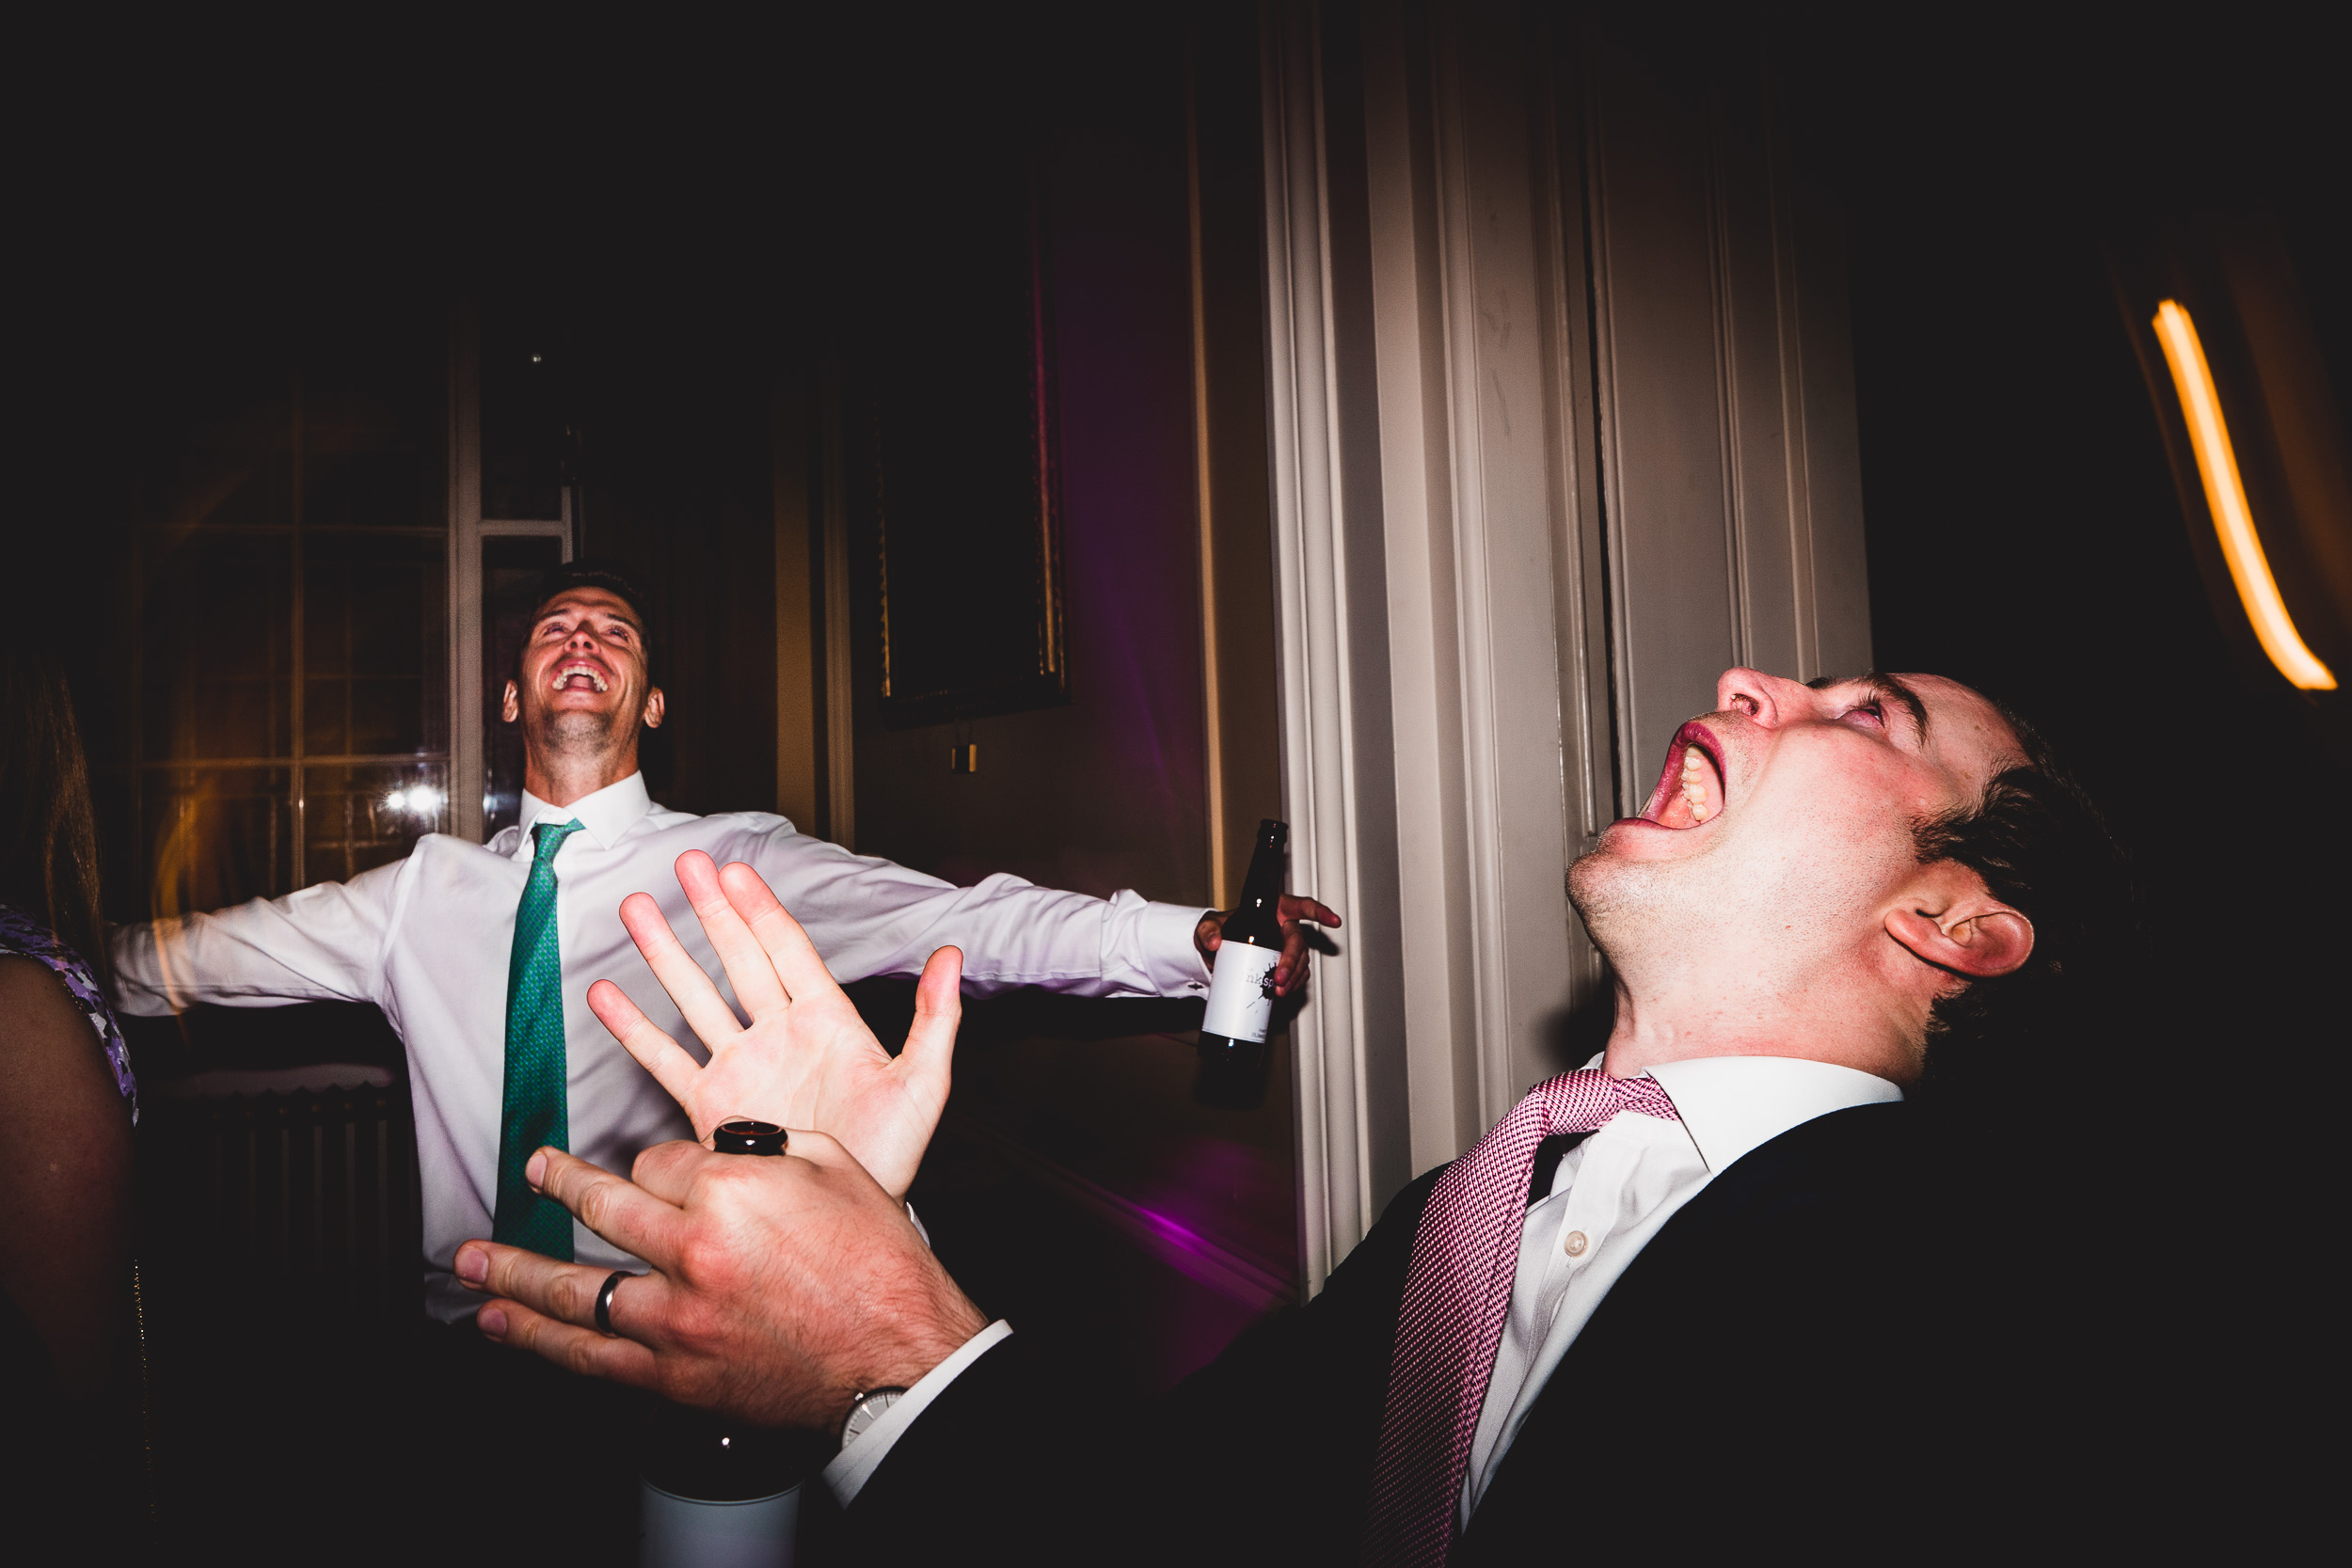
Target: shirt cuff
1177,968
854,1465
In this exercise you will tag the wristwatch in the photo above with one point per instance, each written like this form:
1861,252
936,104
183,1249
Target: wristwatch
866,1410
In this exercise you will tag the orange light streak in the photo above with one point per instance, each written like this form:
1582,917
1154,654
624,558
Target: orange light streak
2225,495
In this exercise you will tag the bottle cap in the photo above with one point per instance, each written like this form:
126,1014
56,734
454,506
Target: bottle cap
748,1137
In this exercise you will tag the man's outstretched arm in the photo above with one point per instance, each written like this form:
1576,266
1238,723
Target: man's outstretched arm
325,943
805,1058
875,917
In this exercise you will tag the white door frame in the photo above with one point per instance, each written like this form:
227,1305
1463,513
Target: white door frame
1480,526
468,760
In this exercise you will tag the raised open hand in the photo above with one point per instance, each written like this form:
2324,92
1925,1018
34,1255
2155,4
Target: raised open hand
807,1060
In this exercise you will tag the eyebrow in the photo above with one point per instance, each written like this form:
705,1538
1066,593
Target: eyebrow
549,616
1885,687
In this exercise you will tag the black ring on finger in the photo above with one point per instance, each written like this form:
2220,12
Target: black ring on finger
604,1303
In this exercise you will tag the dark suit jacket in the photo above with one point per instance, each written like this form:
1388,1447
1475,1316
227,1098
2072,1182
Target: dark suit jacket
1775,1369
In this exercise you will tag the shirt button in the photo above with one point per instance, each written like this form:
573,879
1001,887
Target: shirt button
1575,1243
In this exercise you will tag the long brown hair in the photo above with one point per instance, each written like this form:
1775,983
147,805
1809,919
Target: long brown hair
48,832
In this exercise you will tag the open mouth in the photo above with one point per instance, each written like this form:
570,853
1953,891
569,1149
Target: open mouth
1689,790
580,675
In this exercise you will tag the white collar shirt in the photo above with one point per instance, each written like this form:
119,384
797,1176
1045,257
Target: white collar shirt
606,817
1617,1190
428,939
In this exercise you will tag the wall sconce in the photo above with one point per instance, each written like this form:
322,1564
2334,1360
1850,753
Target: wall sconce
2225,496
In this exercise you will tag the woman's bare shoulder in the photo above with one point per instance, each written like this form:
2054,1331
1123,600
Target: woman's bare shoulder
35,1009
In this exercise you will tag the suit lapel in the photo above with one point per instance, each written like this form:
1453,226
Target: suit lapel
1626,1408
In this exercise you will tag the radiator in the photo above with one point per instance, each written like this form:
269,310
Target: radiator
300,1181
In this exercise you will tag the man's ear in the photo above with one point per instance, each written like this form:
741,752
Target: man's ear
655,708
1948,918
511,709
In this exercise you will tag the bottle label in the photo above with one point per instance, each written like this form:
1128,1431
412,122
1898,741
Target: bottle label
1241,993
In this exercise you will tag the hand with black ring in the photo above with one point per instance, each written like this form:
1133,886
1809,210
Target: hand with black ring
779,1288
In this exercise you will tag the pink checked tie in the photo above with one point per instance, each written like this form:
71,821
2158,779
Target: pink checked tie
1456,1298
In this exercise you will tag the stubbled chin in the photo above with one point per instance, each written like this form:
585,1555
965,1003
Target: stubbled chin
574,723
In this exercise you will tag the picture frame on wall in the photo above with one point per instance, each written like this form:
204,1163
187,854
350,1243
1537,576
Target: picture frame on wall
965,470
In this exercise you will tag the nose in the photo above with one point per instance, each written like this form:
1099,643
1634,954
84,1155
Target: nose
1767,699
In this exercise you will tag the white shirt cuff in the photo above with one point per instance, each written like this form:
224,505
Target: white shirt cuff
854,1465
1177,968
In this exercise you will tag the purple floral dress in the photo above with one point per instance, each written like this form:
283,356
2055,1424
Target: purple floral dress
22,936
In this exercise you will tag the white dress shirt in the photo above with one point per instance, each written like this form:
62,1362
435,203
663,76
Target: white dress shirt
1617,1190
428,940
1611,1194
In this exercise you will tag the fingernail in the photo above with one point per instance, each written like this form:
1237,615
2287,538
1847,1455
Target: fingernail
492,1322
536,1170
473,1264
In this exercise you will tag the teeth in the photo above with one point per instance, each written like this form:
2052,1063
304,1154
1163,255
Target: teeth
570,670
1695,782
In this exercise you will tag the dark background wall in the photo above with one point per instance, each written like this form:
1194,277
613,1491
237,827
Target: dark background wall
1108,791
677,483
2025,536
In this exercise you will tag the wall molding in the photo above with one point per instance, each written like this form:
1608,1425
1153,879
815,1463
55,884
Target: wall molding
800,704
1310,620
1557,374
468,765
840,821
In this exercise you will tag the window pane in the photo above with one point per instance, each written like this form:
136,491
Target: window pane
375,645
293,583
216,676
510,569
217,837
361,817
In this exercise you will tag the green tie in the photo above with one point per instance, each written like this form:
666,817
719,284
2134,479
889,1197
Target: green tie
534,1115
